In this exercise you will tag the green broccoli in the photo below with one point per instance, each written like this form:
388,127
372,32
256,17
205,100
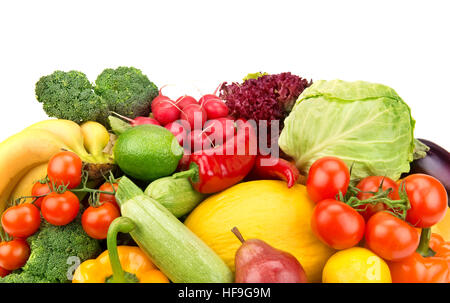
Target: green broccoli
51,248
70,95
127,91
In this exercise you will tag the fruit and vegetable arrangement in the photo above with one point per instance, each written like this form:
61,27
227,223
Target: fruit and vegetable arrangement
274,179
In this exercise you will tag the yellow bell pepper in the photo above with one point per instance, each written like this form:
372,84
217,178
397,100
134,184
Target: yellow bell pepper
133,261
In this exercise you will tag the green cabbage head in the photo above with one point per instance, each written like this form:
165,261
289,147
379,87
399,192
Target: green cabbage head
365,124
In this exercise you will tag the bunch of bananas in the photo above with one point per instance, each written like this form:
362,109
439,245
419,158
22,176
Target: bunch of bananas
24,156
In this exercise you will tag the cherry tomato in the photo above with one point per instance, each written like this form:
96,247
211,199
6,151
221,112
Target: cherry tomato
64,168
107,197
96,220
21,220
337,224
60,209
327,177
428,199
14,254
390,237
372,184
4,272
40,189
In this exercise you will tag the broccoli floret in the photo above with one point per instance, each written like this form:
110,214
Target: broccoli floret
70,95
51,248
23,277
126,90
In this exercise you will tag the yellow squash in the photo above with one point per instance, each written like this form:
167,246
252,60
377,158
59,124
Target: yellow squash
265,210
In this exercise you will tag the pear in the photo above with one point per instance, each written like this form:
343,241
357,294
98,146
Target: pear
258,262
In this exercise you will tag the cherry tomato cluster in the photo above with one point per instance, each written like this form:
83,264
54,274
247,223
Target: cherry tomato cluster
196,124
379,210
58,205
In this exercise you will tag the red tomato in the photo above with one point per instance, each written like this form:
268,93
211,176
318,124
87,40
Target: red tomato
96,220
337,224
372,184
390,237
327,177
40,189
60,209
106,197
64,168
14,254
21,220
4,272
428,199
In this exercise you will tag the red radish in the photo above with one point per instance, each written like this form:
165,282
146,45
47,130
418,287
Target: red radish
159,98
178,130
143,120
165,111
215,108
184,162
207,98
199,140
195,115
185,100
219,130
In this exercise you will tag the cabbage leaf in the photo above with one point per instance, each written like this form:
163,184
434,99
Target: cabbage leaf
365,124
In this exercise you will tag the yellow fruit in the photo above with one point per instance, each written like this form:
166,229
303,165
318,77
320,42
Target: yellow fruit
21,153
443,227
96,137
356,265
67,131
265,210
23,188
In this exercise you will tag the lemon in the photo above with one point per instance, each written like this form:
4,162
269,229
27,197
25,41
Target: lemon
265,210
356,265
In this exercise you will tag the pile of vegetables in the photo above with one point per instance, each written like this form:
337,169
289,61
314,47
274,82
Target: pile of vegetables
191,190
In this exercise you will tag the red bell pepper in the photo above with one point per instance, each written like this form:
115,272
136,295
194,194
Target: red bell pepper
215,169
267,167
424,266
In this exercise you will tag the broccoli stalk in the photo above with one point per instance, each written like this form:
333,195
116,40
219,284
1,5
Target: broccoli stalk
51,248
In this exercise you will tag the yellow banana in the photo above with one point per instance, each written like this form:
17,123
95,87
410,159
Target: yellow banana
21,153
25,185
67,131
96,137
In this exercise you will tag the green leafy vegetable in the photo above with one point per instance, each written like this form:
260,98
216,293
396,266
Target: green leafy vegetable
365,124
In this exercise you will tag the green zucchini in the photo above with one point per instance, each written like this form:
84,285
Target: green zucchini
174,249
175,194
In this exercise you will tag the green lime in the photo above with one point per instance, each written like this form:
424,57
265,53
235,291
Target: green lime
147,152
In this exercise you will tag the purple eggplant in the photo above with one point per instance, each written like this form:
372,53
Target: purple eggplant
436,163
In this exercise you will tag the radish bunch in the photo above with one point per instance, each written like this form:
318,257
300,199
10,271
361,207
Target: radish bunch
196,125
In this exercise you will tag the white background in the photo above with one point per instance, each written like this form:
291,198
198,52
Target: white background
403,44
